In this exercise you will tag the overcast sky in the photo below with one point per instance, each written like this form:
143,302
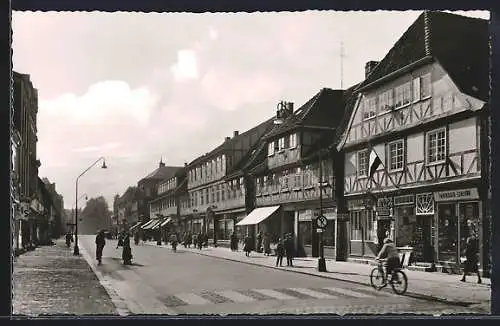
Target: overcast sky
136,87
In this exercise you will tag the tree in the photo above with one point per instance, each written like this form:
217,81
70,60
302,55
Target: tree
95,216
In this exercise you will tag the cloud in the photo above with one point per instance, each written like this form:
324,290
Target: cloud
186,67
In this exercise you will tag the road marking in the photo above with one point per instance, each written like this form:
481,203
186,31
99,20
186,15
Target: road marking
192,299
235,296
313,293
348,292
274,294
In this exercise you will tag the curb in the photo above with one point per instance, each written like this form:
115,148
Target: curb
408,294
118,302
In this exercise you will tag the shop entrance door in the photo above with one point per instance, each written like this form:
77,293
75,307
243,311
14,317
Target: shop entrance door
424,250
448,247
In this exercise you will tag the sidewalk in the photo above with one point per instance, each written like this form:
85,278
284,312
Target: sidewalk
51,281
434,286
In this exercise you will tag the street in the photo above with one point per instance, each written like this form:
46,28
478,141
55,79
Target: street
163,282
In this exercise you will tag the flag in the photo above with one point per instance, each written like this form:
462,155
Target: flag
377,157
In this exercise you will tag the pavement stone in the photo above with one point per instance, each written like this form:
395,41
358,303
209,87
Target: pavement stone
435,286
51,281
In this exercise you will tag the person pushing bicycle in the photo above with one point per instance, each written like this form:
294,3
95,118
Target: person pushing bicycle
390,252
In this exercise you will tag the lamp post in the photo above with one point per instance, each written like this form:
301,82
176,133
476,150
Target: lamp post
76,251
321,259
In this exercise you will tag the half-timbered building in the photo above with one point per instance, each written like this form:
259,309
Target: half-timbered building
288,182
415,147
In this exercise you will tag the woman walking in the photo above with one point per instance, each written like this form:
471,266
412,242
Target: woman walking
280,252
267,244
248,245
127,251
100,241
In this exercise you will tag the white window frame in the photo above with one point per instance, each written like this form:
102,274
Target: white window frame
281,144
396,142
385,101
293,140
270,149
427,147
416,88
367,153
422,79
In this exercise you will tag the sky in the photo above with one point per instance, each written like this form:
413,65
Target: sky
136,88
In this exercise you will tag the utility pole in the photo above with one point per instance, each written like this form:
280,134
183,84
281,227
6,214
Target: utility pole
341,65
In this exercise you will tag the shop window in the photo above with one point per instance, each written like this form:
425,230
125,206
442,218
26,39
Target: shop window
305,232
396,155
405,225
356,229
329,234
363,158
436,146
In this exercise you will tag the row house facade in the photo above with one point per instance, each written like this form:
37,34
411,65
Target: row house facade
166,206
216,184
287,182
57,218
126,207
25,162
416,149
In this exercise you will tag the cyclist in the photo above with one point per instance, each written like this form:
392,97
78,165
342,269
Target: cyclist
390,251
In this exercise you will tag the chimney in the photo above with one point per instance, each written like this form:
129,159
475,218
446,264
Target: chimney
289,107
161,165
370,65
236,133
228,138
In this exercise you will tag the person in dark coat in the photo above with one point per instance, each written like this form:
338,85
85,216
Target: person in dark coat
289,250
127,251
248,246
267,244
471,262
259,242
100,242
120,240
136,238
200,240
194,239
280,252
234,242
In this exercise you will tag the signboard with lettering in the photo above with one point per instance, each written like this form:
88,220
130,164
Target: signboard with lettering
462,194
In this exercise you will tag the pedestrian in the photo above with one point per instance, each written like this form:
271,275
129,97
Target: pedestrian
136,238
280,252
127,251
248,245
267,244
471,259
234,242
289,249
120,240
100,242
200,241
195,240
259,242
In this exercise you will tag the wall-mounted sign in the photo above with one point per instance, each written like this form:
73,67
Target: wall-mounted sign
462,194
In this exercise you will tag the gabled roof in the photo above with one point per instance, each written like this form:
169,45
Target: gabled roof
227,145
327,98
460,44
162,173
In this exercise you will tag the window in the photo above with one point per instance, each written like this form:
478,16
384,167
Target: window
385,101
224,163
370,108
416,89
425,86
281,144
293,140
270,149
403,94
363,163
287,141
396,155
202,202
223,192
436,146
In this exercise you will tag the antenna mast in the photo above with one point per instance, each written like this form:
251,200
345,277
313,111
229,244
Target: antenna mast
341,65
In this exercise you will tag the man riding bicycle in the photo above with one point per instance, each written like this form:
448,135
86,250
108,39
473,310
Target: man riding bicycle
390,252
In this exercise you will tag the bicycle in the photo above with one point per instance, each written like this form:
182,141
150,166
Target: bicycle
398,278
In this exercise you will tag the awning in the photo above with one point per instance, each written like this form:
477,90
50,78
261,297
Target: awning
258,215
165,222
155,225
135,226
146,226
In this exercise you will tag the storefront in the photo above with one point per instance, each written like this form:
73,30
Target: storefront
457,216
306,231
225,226
362,227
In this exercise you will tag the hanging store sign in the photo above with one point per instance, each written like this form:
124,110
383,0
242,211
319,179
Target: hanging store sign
462,194
25,211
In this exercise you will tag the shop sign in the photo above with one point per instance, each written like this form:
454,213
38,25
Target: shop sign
355,204
462,194
305,215
404,200
25,211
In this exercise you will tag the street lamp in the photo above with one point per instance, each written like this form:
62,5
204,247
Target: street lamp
76,251
321,259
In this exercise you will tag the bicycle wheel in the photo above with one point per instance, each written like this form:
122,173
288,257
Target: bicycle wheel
399,282
377,279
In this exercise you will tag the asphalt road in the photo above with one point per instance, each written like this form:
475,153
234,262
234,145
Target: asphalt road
163,282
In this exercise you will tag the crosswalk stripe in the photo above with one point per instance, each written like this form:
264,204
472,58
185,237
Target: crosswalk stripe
348,292
314,294
274,294
235,296
192,299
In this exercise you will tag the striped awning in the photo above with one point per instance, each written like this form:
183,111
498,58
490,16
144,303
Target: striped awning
147,225
135,226
156,224
165,222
